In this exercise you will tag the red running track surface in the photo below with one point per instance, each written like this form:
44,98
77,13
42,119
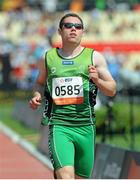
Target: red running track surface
17,163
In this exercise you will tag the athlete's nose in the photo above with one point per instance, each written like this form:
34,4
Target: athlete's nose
73,28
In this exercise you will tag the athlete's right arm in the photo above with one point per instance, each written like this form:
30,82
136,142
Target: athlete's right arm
38,89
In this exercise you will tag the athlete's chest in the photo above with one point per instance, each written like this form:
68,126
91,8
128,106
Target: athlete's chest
65,67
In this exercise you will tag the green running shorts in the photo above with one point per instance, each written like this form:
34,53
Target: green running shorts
73,146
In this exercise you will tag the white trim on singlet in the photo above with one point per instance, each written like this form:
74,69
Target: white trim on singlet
88,94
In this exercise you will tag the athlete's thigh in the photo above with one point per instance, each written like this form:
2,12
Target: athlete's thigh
84,152
61,148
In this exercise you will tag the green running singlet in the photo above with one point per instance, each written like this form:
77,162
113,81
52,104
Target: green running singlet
70,95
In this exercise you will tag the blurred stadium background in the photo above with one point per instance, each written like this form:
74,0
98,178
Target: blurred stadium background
29,27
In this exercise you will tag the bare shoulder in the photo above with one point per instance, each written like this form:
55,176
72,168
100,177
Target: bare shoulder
98,59
101,66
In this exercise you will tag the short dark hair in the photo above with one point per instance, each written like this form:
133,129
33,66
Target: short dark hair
69,15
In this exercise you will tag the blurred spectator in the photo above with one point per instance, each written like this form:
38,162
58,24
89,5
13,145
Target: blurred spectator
113,63
6,69
77,5
50,6
130,78
5,60
100,4
111,4
14,4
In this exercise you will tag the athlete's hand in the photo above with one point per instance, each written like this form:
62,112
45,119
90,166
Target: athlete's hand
93,73
35,102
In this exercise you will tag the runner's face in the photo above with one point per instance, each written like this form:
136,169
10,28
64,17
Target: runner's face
72,30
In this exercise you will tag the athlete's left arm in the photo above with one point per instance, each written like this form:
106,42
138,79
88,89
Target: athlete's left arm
101,76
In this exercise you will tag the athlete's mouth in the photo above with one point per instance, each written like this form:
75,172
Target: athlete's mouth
73,34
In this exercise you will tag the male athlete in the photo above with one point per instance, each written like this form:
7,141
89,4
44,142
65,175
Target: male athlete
71,76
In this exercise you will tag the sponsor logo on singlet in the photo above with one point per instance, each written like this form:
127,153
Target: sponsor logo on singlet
64,62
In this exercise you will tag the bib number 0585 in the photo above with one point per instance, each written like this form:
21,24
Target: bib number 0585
67,90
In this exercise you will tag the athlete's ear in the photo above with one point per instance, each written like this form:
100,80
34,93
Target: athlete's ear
59,31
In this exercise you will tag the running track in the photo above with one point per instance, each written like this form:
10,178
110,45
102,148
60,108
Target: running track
18,163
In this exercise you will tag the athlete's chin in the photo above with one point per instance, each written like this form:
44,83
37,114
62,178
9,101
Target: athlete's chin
72,40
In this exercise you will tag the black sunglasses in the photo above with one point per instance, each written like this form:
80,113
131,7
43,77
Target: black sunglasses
70,25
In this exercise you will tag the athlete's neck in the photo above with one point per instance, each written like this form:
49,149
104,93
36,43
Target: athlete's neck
70,52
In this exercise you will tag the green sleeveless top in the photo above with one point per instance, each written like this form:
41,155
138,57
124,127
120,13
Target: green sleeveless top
70,94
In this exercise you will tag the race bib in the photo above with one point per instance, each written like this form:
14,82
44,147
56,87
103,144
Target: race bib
67,90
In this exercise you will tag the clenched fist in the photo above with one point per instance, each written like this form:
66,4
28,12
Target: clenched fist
35,102
93,74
